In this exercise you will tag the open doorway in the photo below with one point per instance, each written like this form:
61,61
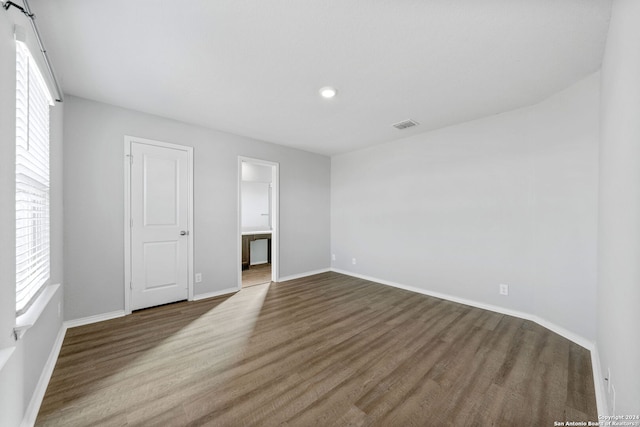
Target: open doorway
257,221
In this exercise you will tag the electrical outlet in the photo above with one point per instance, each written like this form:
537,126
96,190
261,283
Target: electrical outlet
504,289
353,261
198,277
333,257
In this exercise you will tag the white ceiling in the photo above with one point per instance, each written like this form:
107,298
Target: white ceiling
254,67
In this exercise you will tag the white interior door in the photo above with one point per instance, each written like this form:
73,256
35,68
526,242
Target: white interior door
159,208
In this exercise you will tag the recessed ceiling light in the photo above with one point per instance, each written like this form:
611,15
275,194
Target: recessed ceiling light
328,92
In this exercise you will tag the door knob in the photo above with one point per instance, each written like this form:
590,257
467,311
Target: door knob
184,233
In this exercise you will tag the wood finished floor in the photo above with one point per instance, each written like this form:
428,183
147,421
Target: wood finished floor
323,350
256,275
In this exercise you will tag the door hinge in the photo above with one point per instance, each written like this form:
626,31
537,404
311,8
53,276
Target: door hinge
131,222
130,156
131,285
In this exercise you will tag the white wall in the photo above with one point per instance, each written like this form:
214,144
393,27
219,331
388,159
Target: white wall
94,169
619,223
255,204
18,378
256,173
507,199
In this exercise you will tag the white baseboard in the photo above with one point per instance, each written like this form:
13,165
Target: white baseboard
599,385
215,294
94,319
31,413
301,275
571,336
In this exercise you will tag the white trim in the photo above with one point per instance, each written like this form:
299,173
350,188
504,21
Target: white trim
215,294
571,336
239,227
275,221
94,319
599,385
31,413
301,275
128,140
127,224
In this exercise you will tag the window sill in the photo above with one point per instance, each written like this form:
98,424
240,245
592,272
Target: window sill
28,319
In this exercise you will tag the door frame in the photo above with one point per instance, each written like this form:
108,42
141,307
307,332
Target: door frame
128,140
275,221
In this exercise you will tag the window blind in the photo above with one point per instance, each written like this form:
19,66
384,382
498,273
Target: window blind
32,180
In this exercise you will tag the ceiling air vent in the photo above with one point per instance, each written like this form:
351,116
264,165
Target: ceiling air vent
405,124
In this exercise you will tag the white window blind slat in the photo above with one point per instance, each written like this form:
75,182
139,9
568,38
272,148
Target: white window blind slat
36,160
30,272
35,175
29,255
31,278
32,180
